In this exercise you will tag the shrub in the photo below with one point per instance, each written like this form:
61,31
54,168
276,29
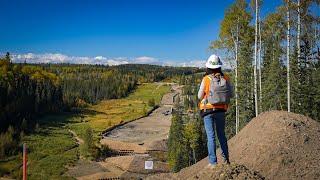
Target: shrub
89,149
8,145
104,152
144,110
151,102
109,123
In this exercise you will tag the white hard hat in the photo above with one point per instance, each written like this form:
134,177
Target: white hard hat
214,62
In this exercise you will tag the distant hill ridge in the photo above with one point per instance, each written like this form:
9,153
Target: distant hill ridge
276,144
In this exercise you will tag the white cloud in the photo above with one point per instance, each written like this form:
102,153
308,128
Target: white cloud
112,62
145,60
186,63
61,58
41,58
100,58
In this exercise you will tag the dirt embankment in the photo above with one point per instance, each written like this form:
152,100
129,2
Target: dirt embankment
277,144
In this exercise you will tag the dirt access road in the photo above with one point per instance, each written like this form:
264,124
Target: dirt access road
147,133
134,143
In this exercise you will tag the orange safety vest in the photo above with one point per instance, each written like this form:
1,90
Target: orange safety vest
202,104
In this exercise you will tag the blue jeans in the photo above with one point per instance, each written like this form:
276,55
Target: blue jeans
217,118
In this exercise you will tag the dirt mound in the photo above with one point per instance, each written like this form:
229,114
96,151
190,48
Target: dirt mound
280,145
221,172
224,172
277,144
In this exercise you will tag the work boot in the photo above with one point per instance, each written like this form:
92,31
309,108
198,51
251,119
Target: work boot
211,166
226,161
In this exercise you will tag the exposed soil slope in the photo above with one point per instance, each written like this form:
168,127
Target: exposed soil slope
221,172
277,144
280,145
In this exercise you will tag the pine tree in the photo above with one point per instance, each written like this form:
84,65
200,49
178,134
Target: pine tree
306,60
192,136
235,37
177,149
273,70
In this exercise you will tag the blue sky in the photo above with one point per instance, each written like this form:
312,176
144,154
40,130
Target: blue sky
163,30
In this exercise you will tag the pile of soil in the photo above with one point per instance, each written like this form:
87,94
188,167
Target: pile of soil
277,144
280,145
221,172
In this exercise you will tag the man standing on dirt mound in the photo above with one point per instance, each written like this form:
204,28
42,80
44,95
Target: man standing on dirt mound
214,94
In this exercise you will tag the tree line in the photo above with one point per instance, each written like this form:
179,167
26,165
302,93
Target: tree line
275,58
24,92
28,91
92,83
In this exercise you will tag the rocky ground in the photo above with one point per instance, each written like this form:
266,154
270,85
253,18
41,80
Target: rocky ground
220,172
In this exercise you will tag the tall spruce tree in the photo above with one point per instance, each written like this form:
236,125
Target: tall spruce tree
177,149
273,76
236,38
305,66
